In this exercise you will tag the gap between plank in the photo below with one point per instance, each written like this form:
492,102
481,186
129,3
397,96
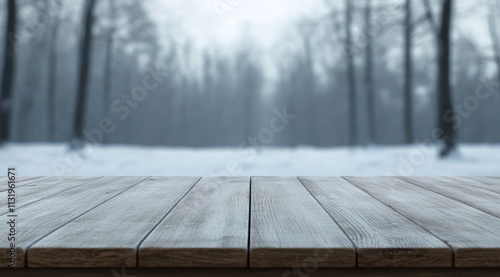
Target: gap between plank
444,241
31,244
51,195
456,200
343,231
22,184
249,221
481,182
145,236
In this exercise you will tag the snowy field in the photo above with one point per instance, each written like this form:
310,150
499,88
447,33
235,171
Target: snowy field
56,160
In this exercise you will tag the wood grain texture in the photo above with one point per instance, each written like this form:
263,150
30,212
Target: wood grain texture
43,188
460,189
208,228
289,228
44,217
382,236
108,236
472,234
20,181
27,179
491,183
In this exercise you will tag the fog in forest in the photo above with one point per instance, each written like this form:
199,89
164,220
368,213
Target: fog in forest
230,73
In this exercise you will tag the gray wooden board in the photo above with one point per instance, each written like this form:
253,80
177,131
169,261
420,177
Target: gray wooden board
41,189
108,236
208,228
290,228
31,178
20,181
486,182
460,190
472,234
382,236
35,221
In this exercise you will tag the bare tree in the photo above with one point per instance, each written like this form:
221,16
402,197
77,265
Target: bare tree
445,108
37,44
351,77
408,71
52,78
369,84
108,60
84,61
495,36
8,73
209,97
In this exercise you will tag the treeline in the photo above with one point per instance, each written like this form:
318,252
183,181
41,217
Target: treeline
361,72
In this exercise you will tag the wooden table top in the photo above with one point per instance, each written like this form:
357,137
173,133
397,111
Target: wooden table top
252,222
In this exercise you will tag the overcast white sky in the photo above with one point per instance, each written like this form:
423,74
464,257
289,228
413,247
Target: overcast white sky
223,23
265,20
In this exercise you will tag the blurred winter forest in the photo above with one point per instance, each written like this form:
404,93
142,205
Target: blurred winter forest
208,73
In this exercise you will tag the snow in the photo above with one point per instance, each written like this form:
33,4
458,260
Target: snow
56,160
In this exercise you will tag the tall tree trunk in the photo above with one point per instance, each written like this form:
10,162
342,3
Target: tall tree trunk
108,63
369,84
495,36
408,81
207,93
444,88
52,80
8,73
85,55
351,78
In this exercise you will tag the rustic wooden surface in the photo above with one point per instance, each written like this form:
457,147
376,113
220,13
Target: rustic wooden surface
208,228
20,181
88,241
382,236
472,234
44,217
30,192
487,182
288,225
460,190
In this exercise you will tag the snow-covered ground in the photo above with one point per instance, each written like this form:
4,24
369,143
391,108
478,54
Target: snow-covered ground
55,159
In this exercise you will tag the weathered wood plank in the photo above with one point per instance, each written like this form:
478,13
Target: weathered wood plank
460,189
20,181
108,236
26,179
290,228
42,218
31,178
41,189
208,228
472,234
382,236
491,183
